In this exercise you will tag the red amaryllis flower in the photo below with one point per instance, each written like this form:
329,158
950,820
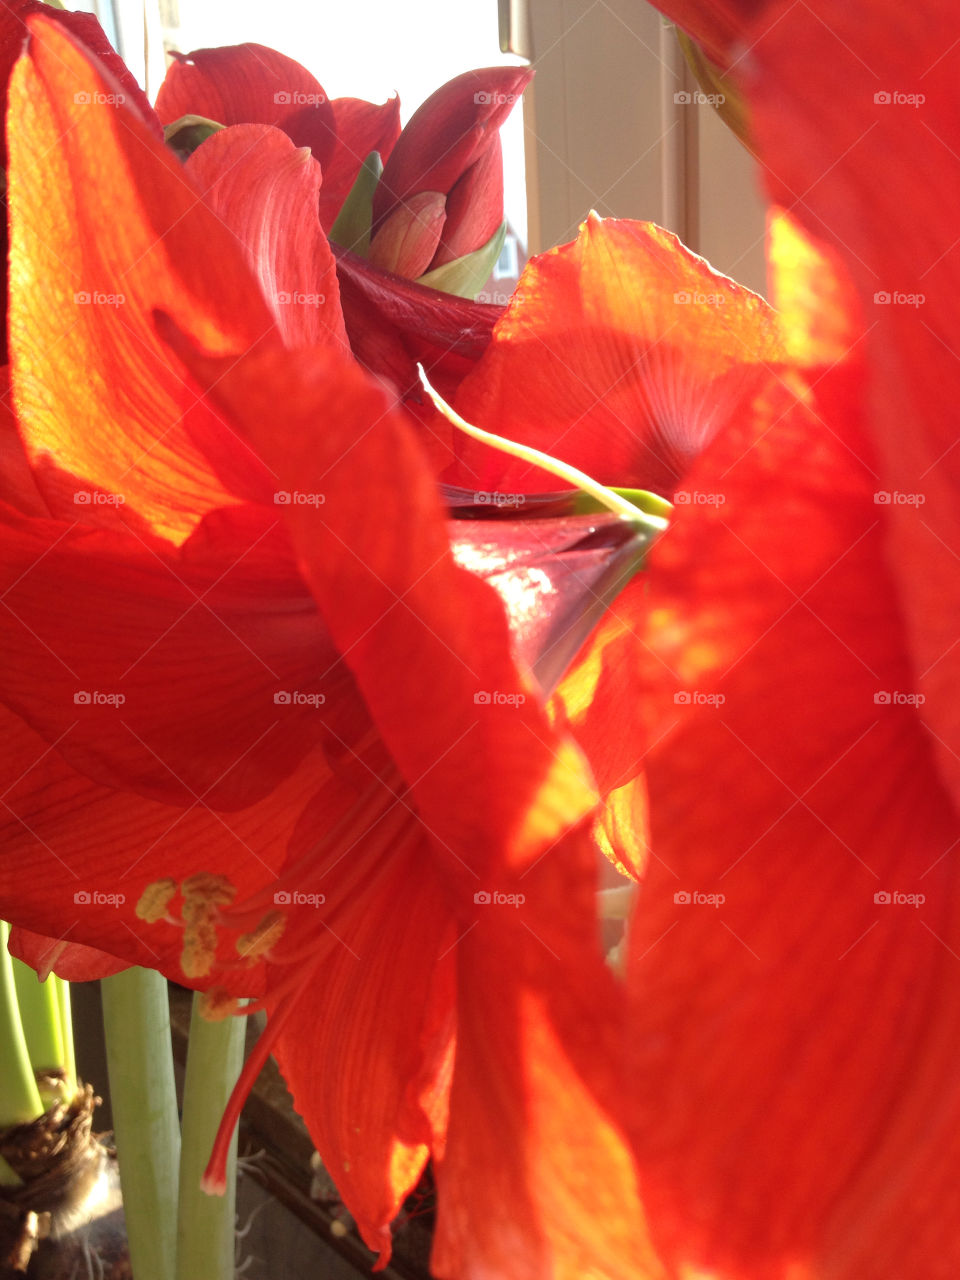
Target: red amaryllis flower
452,142
441,193
250,84
263,733
86,28
794,1018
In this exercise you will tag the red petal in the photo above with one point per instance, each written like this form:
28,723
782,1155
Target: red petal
474,207
717,25
265,190
449,133
78,856
250,84
94,388
18,488
379,1016
70,960
537,1178
623,354
794,1042
361,127
554,575
393,324
898,120
407,239
197,645
450,624
86,30
496,791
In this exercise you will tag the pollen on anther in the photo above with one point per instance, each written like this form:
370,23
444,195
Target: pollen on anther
155,899
217,1004
256,944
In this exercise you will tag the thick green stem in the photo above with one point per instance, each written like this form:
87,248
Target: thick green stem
65,1015
205,1245
40,1018
19,1098
136,1017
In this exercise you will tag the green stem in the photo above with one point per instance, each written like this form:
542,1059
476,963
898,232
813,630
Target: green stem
19,1098
65,1015
40,1018
205,1243
136,1017
577,479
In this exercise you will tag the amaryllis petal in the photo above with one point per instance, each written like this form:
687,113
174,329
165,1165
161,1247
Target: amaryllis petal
93,386
795,1014
406,240
18,488
448,133
474,207
623,354
78,856
556,577
394,324
70,960
250,84
378,1014
128,690
894,130
432,613
497,791
265,190
717,25
550,1189
361,127
84,28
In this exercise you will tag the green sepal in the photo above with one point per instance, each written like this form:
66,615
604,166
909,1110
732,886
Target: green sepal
351,229
186,134
465,277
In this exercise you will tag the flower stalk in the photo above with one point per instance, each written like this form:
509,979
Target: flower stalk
136,1016
19,1097
206,1224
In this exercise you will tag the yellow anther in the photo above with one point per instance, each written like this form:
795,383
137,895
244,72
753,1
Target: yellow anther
217,1004
254,945
155,899
203,896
